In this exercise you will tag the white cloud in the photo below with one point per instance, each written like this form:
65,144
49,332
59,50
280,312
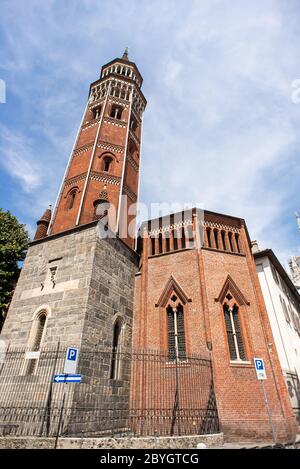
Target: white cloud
18,159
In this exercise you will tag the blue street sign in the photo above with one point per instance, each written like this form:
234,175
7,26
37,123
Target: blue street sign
259,364
72,354
67,378
260,368
71,360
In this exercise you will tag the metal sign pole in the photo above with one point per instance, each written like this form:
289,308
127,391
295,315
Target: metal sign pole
268,412
60,416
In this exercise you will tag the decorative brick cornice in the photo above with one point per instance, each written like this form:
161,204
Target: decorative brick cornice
106,178
108,147
90,124
130,193
115,122
132,162
75,179
120,101
221,226
168,228
97,102
83,148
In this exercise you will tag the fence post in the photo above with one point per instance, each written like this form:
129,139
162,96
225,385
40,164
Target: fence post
60,416
47,413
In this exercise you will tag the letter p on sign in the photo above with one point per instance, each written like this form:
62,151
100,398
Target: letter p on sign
71,361
72,353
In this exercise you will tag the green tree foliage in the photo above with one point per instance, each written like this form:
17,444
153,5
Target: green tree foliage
13,245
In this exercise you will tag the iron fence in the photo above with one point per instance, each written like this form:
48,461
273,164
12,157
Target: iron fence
145,394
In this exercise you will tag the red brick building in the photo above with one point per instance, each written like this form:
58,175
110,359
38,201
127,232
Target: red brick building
209,277
196,288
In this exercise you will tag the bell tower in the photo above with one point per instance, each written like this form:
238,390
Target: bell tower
104,164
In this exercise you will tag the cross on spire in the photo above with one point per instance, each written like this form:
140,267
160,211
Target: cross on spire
125,55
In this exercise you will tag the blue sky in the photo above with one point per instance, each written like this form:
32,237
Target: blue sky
220,126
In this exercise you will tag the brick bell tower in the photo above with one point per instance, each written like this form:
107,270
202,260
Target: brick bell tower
80,283
105,160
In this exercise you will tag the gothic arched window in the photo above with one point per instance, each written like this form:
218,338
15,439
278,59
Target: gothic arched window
71,198
115,365
233,331
176,333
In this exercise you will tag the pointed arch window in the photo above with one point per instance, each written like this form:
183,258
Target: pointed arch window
115,367
71,196
233,331
176,333
40,326
38,330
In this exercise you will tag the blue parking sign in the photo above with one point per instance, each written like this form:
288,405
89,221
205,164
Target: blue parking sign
72,354
260,368
71,360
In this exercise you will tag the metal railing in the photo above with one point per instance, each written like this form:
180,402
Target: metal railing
151,395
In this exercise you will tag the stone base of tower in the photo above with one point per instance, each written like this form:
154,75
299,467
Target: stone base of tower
82,282
81,286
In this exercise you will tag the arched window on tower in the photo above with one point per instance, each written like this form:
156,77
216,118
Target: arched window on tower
133,124
116,112
176,333
96,112
115,366
107,163
71,196
233,331
37,333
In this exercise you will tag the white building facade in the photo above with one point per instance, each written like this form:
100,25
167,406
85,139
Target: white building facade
294,264
283,305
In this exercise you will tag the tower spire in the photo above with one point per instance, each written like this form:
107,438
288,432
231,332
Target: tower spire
125,55
298,220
